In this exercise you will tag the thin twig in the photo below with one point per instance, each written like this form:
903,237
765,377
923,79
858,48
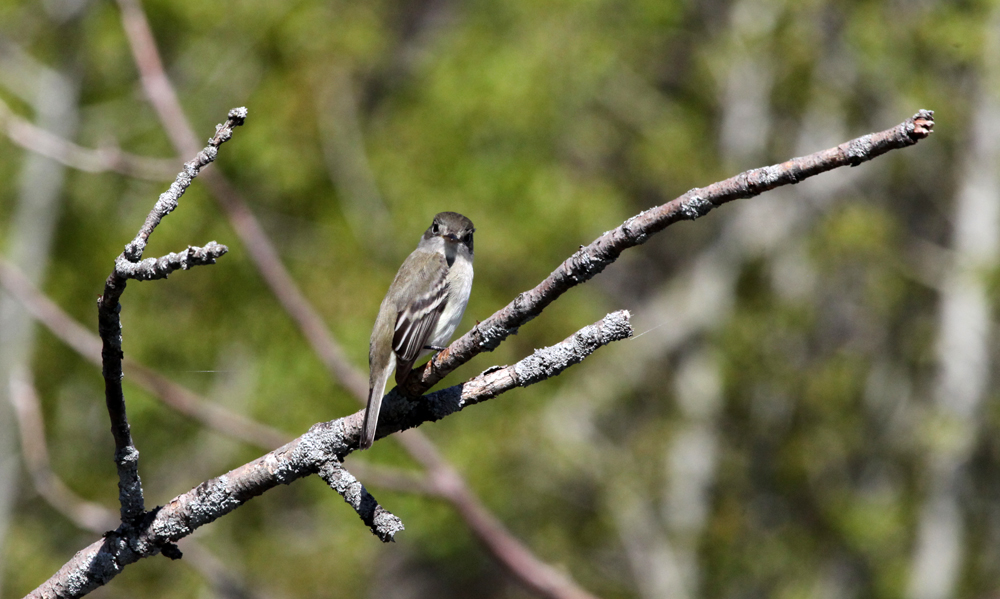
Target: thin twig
169,199
40,141
592,259
381,522
160,268
103,560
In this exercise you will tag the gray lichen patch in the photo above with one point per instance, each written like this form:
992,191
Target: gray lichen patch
695,206
859,149
490,337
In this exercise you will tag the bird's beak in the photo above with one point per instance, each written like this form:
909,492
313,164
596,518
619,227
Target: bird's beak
451,237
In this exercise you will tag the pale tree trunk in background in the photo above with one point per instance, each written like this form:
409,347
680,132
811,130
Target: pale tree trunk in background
963,345
343,144
747,82
661,546
691,456
692,459
29,240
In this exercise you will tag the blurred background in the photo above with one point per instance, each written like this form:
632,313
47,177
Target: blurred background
808,412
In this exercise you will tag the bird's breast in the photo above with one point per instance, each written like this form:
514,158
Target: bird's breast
459,288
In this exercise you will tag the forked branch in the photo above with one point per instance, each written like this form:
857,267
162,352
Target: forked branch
129,266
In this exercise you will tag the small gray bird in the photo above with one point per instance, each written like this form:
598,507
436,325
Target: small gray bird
423,306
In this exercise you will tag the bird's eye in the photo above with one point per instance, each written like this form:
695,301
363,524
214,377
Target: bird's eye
467,238
434,229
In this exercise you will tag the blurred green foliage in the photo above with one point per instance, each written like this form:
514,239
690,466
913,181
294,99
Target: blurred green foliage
546,124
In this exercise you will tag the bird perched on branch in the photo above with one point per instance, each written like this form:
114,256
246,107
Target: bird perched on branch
422,308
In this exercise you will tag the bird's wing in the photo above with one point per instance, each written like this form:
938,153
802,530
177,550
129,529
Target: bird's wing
416,322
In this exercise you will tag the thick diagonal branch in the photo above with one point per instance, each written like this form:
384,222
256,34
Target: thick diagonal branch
309,454
592,259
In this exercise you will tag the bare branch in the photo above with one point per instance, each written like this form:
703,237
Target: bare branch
40,141
309,454
162,96
592,259
160,268
168,200
400,413
109,322
164,101
381,522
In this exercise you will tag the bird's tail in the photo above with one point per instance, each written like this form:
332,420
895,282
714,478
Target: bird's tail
375,393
